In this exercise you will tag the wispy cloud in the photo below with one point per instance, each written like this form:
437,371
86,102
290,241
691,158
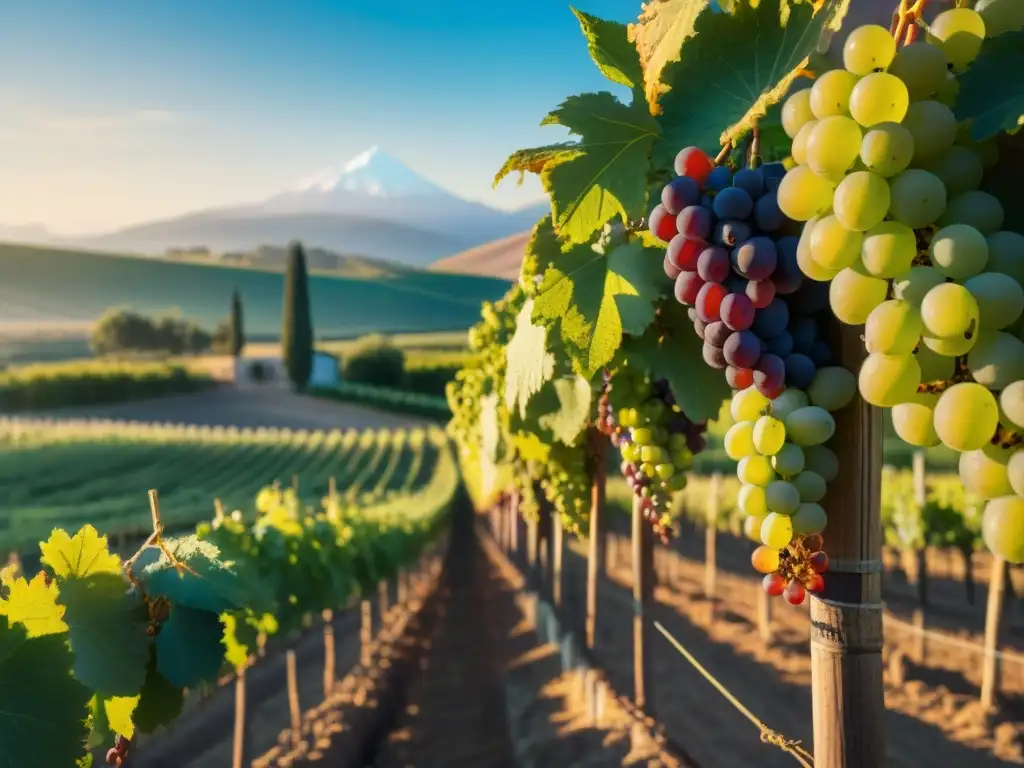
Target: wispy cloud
93,122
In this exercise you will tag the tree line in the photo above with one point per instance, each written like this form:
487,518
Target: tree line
123,331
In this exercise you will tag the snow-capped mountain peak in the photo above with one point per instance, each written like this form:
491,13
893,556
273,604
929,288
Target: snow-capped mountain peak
372,172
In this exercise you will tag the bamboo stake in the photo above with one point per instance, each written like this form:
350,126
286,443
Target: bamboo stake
329,656
294,711
710,538
643,546
993,615
597,541
558,547
365,631
240,757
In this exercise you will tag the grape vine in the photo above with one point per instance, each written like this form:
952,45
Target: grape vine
94,650
877,204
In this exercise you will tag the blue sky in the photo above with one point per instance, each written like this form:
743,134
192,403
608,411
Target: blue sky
119,111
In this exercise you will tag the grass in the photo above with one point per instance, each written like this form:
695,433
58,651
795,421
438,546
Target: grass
43,285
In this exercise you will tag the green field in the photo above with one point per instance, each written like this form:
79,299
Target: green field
68,474
76,287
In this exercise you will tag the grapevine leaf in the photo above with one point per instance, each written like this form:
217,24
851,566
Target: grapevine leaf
596,298
698,389
43,709
188,646
490,434
530,447
160,702
606,178
84,554
108,634
34,604
237,639
573,414
543,250
991,92
203,581
112,716
735,66
529,364
659,34
610,48
536,160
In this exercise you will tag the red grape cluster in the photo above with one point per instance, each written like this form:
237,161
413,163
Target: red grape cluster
733,256
117,754
800,571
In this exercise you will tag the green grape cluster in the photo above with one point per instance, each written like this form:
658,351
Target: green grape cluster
566,485
656,440
887,182
785,465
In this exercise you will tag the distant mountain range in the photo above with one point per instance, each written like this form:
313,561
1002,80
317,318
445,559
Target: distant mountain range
373,205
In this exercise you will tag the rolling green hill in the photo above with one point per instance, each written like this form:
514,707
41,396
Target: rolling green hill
75,287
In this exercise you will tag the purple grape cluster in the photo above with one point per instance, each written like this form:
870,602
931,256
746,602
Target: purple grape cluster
733,256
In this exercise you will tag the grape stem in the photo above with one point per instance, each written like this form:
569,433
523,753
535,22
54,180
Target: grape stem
904,20
721,157
754,158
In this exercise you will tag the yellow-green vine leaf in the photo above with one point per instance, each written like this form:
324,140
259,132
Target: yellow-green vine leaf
735,66
33,604
574,405
79,556
528,362
991,92
537,159
611,49
606,178
596,298
659,34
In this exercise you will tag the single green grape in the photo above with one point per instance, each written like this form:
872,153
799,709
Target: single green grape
861,200
830,94
868,48
879,98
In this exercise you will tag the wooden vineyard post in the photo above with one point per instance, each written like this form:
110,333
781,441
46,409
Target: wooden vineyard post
532,553
920,485
558,551
365,631
846,617
710,541
597,541
544,549
329,656
294,710
993,614
384,598
241,753
643,550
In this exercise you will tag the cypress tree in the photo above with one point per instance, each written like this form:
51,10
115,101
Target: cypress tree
237,332
297,331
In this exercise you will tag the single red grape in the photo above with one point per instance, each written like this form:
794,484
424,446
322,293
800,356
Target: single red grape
693,162
688,288
739,378
815,583
662,224
709,302
819,561
773,584
795,593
